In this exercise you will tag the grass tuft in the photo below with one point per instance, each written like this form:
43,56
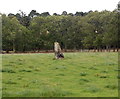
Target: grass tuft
48,91
10,82
60,75
83,81
60,67
25,70
118,76
103,76
8,70
93,89
111,87
83,74
93,68
104,71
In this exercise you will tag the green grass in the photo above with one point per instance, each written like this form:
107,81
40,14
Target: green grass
84,74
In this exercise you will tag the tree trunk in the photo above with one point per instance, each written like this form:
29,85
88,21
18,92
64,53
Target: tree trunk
117,49
74,48
65,48
94,50
114,48
97,49
7,51
13,46
100,49
107,48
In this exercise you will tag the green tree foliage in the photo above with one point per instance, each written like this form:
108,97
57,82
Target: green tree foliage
13,38
35,32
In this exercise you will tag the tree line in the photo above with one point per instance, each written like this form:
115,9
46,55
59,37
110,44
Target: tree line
82,30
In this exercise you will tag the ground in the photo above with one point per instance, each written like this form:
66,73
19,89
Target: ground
85,74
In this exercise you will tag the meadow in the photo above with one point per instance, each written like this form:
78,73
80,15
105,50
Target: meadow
86,74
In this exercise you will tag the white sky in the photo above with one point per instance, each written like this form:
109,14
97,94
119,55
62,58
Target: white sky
56,6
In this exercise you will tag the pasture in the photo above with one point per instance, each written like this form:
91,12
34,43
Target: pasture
85,74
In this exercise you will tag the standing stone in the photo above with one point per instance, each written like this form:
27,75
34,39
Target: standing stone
58,52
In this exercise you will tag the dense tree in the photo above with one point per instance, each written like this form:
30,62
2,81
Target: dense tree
79,13
12,34
111,32
55,14
64,13
44,14
33,13
11,15
71,14
23,18
82,30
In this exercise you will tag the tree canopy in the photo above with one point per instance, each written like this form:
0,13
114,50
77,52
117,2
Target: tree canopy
82,30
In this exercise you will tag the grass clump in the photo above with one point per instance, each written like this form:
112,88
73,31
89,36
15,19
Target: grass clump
93,89
10,82
103,76
83,81
111,87
60,74
104,71
8,70
25,70
83,74
48,91
118,76
93,68
60,67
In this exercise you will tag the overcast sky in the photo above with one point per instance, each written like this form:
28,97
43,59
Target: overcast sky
58,6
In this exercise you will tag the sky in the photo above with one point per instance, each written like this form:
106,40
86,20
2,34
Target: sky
56,6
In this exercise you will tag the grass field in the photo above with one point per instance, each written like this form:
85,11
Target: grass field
84,74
